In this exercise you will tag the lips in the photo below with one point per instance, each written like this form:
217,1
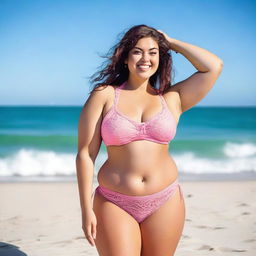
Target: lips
144,67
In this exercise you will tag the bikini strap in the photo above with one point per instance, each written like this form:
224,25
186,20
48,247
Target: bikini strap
163,100
117,93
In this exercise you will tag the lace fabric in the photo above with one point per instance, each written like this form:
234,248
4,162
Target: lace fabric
119,129
140,207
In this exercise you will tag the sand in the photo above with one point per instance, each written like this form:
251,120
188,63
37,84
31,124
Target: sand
42,219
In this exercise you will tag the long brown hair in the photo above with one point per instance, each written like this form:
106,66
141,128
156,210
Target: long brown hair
115,73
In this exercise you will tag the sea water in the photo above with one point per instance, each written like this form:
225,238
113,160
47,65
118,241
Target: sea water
39,143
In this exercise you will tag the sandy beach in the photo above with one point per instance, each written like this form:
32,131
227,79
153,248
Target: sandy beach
44,219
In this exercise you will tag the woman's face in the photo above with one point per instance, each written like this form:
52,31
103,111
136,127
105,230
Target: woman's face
143,59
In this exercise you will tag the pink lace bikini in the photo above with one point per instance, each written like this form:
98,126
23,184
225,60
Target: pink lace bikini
118,129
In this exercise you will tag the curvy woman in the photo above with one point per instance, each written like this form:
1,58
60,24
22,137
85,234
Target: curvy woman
138,207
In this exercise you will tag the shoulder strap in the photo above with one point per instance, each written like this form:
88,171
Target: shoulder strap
117,92
163,100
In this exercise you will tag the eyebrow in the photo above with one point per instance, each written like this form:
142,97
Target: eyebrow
149,49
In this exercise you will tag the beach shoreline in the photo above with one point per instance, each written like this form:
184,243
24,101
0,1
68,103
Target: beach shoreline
183,177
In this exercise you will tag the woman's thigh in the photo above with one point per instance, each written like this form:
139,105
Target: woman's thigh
118,233
161,231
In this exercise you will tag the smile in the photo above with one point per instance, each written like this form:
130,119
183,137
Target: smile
144,67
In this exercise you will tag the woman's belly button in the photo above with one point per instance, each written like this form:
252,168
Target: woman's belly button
137,181
139,185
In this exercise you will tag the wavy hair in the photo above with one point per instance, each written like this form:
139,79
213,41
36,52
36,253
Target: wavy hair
114,73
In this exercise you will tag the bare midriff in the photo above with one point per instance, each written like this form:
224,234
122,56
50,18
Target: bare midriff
138,168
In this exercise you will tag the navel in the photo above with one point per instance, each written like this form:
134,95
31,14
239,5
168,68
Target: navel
143,179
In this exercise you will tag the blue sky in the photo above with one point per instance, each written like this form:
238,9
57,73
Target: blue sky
49,49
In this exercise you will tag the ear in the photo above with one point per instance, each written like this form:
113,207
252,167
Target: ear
125,61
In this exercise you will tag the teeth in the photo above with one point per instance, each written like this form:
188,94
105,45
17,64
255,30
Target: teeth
144,66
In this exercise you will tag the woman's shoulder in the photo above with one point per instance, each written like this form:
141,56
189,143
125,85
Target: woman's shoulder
172,96
102,89
172,89
103,92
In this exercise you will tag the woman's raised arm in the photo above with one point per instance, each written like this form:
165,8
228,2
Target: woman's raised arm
209,66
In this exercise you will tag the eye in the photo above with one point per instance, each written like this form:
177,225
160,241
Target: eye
153,53
136,52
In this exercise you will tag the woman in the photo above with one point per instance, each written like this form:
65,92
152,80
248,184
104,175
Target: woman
138,207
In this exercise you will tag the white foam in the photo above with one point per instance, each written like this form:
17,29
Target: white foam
188,162
239,150
33,162
30,162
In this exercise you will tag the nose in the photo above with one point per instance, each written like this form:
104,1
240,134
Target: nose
145,57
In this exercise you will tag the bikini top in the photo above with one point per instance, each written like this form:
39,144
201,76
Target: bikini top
118,129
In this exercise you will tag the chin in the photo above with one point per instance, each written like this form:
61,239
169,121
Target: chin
144,76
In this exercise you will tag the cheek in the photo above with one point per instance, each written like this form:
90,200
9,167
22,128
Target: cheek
134,59
156,63
132,63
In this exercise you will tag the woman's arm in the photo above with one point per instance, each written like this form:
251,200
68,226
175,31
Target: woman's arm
89,141
209,66
200,58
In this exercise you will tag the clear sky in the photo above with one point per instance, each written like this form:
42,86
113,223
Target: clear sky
48,49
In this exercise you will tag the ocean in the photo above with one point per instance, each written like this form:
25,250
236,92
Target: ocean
39,143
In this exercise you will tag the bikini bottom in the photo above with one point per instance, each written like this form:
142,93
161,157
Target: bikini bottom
140,207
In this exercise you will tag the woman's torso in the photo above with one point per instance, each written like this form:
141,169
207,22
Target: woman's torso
139,167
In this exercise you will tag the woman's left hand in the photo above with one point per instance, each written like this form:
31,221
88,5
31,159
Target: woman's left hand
165,35
169,39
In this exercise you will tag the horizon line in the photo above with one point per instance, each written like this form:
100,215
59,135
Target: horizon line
50,105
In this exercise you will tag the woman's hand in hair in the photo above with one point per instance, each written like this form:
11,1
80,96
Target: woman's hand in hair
169,39
165,35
